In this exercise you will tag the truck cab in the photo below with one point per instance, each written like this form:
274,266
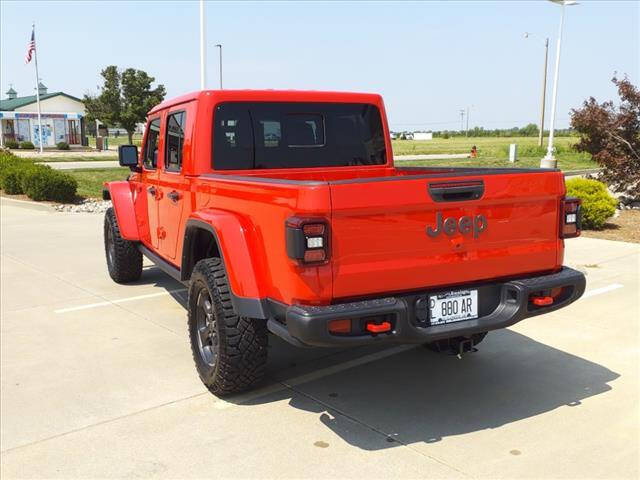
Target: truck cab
284,212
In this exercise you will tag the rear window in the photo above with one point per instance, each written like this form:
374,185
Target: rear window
296,135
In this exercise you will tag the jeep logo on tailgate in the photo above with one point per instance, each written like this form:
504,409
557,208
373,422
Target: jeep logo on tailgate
464,225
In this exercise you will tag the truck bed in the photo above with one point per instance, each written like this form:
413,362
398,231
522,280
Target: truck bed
379,218
352,174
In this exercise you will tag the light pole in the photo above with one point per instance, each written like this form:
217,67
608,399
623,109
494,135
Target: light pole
220,61
549,161
203,78
461,120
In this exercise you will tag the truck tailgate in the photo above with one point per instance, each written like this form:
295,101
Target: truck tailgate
380,241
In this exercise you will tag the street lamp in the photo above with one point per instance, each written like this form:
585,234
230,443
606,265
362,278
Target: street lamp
220,61
549,161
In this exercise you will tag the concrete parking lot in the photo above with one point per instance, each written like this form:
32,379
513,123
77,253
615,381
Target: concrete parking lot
97,381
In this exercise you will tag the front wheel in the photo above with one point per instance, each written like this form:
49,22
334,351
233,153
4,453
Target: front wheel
230,351
124,260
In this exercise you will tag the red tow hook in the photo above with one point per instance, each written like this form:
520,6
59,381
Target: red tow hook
378,327
542,301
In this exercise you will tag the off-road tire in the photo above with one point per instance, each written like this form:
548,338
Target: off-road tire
237,345
124,260
450,345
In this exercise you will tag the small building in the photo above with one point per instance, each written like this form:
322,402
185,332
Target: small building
62,117
423,135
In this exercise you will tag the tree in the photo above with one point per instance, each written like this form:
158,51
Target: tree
124,99
531,130
611,134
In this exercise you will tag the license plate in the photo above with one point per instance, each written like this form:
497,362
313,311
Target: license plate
453,306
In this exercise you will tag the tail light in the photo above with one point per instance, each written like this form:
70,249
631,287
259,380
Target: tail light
307,240
570,217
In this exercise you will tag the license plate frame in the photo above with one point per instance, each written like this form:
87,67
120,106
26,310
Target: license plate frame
453,306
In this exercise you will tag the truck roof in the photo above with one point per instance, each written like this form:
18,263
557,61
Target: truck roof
272,96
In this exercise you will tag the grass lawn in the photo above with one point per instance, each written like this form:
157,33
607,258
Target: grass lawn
121,140
495,147
493,152
566,162
90,179
83,158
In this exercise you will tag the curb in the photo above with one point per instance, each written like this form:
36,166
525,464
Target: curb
14,202
577,173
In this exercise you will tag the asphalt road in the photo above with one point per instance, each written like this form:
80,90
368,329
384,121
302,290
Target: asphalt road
97,381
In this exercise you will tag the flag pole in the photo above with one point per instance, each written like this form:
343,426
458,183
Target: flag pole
35,54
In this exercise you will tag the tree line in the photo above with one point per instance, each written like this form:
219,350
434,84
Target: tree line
530,130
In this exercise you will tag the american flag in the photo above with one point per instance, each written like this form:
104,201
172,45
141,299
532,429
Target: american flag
31,47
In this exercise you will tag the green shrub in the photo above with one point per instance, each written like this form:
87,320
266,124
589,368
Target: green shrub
62,187
27,146
13,167
597,204
11,181
63,146
11,144
38,182
42,183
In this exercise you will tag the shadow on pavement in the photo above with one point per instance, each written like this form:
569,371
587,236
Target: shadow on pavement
154,276
421,396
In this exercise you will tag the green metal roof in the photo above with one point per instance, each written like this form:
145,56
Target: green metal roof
9,105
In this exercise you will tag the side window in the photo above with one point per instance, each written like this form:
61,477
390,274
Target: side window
271,136
233,138
304,130
175,141
150,158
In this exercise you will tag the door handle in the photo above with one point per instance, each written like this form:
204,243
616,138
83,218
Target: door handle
152,191
456,191
173,196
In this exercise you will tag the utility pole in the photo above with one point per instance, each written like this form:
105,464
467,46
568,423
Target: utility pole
544,92
220,62
461,120
203,78
467,132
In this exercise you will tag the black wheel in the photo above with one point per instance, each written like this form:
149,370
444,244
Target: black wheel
230,352
455,345
124,260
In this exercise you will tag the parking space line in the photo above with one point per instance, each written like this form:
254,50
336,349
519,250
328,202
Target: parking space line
601,290
120,300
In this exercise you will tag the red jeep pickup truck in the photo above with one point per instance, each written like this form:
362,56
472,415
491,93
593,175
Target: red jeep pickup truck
283,212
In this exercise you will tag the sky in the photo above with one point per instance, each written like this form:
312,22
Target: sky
428,59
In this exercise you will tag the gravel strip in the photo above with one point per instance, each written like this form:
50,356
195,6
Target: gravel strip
87,206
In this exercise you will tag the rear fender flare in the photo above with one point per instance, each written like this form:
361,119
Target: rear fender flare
122,200
235,246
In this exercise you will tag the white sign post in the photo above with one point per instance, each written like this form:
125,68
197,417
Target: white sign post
513,152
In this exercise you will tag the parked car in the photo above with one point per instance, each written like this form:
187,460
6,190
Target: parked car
320,239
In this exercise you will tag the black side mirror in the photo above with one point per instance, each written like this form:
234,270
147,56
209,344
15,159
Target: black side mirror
128,156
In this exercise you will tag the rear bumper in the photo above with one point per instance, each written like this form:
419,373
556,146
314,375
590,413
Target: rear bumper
500,304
